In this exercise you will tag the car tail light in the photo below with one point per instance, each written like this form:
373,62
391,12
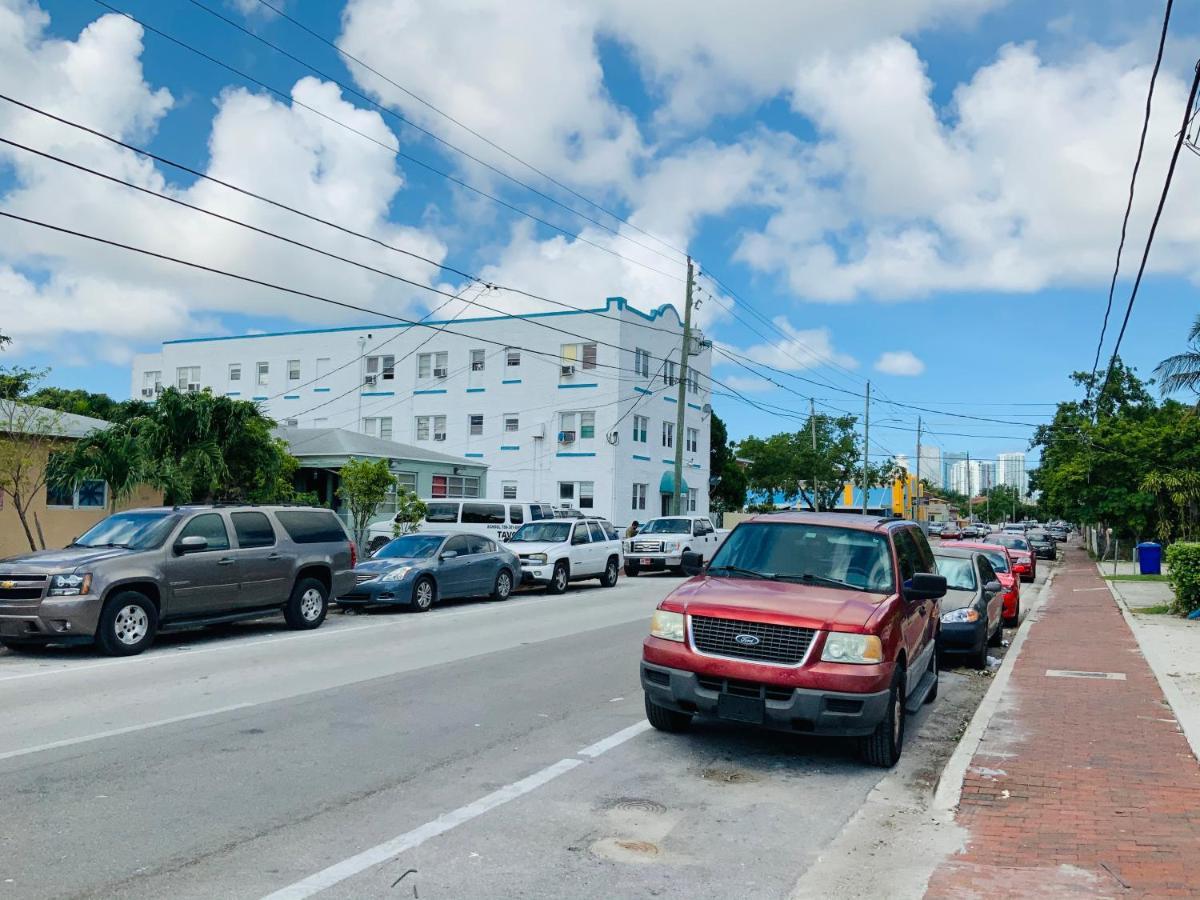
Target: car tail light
353,555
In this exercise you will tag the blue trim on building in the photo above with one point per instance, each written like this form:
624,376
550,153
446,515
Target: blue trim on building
696,406
619,302
321,390
563,387
383,393
670,399
641,458
642,390
560,453
428,391
233,393
263,397
668,462
291,396
473,455
476,390
510,446
511,381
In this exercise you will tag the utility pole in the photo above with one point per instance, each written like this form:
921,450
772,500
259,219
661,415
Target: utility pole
812,426
917,486
681,404
970,506
866,446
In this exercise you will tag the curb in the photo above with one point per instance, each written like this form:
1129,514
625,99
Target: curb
1189,723
949,788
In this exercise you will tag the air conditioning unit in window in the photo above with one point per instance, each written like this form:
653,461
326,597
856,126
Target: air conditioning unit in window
291,423
566,437
147,392
193,387
567,371
371,380
477,366
440,373
439,435
539,432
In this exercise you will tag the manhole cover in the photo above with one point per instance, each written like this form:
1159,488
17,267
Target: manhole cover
728,776
637,804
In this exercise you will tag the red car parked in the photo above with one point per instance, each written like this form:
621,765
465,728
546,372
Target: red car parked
1002,562
1024,559
817,623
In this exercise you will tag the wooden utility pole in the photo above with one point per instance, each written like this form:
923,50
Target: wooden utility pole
812,426
916,491
866,447
681,400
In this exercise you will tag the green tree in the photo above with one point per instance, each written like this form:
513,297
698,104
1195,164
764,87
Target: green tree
728,477
113,455
83,403
1182,371
27,439
785,464
365,484
410,510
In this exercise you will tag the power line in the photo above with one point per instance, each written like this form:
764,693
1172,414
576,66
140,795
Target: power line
1162,40
346,54
391,150
1162,200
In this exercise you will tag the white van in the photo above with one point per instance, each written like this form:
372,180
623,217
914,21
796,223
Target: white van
498,519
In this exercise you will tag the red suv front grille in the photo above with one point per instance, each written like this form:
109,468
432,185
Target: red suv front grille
760,641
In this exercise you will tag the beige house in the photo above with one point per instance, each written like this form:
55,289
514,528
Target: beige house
28,435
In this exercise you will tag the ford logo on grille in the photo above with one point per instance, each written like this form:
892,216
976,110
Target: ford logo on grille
748,640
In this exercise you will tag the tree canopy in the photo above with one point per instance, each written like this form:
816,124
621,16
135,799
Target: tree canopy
729,478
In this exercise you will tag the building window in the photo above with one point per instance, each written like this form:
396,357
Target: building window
512,422
693,440
91,493
380,426
475,424
187,378
512,358
151,384
640,425
641,362
235,372
580,356
407,480
322,370
508,490
454,486
691,499
478,358
639,495
263,372
383,368
293,369
671,377
433,365
668,434
693,381
428,426
579,425
582,491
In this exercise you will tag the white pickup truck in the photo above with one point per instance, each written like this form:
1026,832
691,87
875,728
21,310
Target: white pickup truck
661,543
557,551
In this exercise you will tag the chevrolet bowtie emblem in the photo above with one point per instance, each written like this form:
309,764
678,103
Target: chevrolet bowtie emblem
8,585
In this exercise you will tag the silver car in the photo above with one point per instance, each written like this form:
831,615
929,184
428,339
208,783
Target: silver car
417,570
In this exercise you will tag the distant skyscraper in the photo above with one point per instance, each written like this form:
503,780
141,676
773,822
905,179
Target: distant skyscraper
949,459
971,478
904,462
931,465
1011,471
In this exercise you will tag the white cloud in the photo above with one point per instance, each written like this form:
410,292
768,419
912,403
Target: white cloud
899,362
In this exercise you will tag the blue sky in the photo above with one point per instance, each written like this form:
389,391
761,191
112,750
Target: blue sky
939,180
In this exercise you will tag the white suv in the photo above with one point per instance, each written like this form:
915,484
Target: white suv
557,552
661,543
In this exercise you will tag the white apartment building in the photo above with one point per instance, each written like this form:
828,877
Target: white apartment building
561,417
971,477
1011,471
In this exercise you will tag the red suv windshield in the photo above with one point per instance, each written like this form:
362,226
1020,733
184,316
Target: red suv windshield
820,554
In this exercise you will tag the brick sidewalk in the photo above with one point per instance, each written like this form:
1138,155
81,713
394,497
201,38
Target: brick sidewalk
1081,787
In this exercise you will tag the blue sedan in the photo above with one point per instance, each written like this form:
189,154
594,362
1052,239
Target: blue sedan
417,570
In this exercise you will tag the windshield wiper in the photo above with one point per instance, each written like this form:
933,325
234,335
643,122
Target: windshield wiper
738,570
100,546
822,579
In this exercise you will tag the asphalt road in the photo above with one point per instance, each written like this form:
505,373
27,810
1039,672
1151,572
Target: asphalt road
495,749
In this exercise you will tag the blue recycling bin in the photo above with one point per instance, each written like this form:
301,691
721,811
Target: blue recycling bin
1149,556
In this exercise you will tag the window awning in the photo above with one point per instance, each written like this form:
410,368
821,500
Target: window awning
666,484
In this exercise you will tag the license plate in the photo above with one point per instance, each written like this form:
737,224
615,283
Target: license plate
645,561
741,709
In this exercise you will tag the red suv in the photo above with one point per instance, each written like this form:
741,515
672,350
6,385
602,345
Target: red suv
814,623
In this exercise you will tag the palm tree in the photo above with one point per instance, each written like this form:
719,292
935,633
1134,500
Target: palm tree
111,455
1182,371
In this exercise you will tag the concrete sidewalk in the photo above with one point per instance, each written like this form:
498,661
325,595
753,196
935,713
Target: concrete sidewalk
1082,784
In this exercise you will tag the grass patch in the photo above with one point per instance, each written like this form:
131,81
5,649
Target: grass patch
1137,577
1161,610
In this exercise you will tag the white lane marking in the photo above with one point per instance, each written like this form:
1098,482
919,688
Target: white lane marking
373,856
236,644
614,740
115,732
348,868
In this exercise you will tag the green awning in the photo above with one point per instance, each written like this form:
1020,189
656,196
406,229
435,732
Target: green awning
666,484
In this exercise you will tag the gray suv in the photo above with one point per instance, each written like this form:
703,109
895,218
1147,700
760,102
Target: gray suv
139,572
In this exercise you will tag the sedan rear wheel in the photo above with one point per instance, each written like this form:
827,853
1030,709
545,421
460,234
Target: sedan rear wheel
503,588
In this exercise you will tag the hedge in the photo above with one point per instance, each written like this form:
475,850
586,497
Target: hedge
1183,559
